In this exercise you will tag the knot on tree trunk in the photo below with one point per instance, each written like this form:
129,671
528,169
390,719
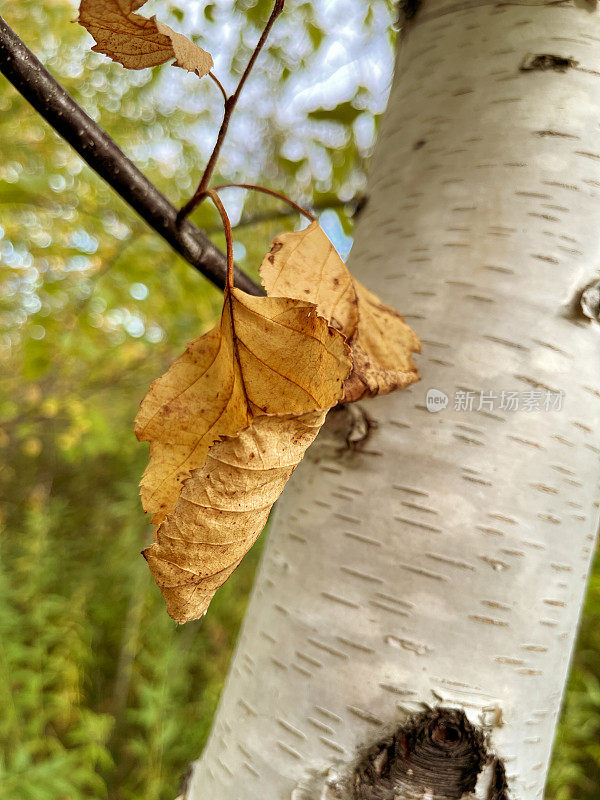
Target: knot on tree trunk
437,755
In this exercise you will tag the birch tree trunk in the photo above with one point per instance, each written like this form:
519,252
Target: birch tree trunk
443,566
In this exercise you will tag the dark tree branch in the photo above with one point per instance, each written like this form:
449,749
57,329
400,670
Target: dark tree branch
28,75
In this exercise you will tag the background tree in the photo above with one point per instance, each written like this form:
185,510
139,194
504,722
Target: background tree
94,307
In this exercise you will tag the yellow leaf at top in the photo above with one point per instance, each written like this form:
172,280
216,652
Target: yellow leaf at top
304,264
137,42
266,356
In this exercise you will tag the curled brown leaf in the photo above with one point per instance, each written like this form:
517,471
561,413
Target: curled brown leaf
233,416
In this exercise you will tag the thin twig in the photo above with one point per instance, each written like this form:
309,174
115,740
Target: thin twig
273,215
19,65
253,187
230,103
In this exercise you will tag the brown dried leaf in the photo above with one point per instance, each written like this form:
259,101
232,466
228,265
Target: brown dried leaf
137,42
305,265
266,356
223,508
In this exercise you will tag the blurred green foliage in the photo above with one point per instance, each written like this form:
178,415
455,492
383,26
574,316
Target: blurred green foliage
101,694
575,768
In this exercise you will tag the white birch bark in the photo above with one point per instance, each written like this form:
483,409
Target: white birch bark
446,562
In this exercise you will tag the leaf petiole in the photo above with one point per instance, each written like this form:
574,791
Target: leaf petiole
214,78
212,193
